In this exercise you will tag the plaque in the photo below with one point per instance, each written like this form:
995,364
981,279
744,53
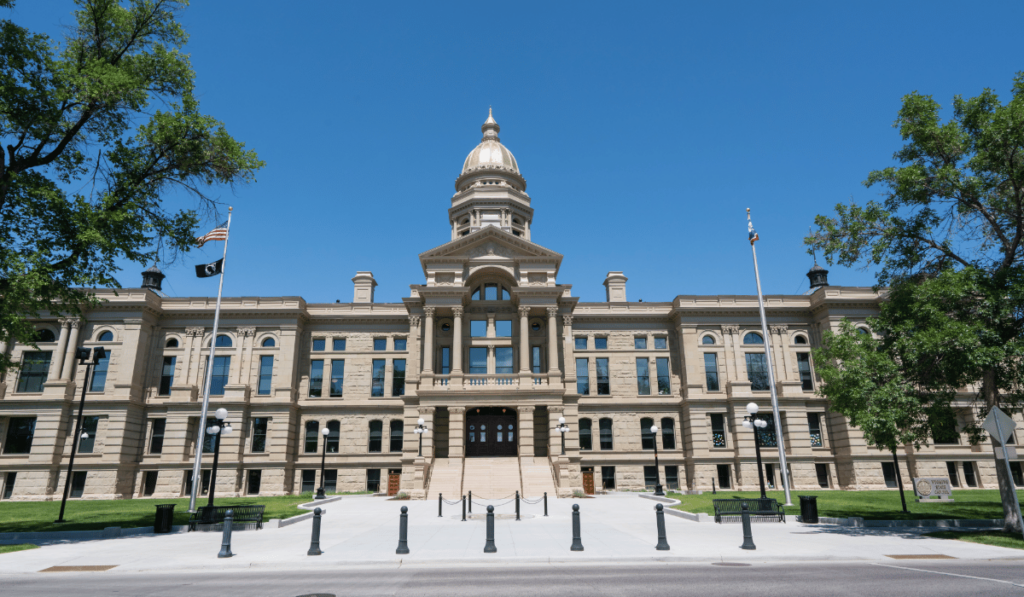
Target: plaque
933,489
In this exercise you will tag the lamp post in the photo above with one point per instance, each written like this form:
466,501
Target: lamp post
222,428
320,494
658,489
82,354
420,430
754,422
562,428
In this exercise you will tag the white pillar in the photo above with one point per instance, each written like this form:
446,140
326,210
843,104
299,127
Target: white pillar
552,341
524,339
428,340
457,340
57,362
67,370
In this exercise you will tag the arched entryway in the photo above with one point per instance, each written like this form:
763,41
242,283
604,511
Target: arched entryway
491,431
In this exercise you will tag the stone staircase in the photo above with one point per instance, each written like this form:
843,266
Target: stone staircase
491,478
446,479
537,477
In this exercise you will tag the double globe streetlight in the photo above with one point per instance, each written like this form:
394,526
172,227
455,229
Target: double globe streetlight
82,354
222,427
320,493
658,489
420,429
562,428
756,423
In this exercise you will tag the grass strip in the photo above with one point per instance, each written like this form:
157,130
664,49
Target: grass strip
996,538
14,548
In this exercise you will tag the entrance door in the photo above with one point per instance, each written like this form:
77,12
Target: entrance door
394,479
588,482
491,432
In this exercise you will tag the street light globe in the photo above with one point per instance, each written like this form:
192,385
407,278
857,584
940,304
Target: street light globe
227,428
420,422
761,423
215,429
752,408
747,424
654,428
561,420
85,435
325,432
222,413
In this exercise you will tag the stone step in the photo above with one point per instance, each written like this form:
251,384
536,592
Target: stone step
492,478
537,477
446,479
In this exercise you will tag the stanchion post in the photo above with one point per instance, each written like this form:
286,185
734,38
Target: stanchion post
517,506
439,505
489,546
403,532
470,502
463,508
713,490
748,539
545,503
577,543
314,543
662,540
225,544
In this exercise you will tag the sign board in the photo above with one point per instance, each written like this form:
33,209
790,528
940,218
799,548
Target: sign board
1007,453
933,489
1006,424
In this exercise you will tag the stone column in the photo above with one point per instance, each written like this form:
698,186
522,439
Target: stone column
526,447
456,431
246,336
554,437
730,334
552,341
569,349
192,347
780,350
412,373
428,341
67,371
457,313
427,414
56,367
524,339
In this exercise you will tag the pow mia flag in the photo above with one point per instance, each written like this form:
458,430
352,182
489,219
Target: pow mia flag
210,269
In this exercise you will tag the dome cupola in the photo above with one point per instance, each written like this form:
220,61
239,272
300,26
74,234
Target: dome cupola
490,162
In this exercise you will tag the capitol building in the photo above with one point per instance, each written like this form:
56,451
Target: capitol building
490,349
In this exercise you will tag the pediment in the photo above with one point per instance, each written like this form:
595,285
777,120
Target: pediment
489,243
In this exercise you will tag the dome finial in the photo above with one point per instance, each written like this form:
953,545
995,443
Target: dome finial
490,127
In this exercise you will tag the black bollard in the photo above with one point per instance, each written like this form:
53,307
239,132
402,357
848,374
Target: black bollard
225,544
314,544
713,491
748,539
403,532
517,506
470,502
545,503
662,540
489,546
439,505
577,544
463,508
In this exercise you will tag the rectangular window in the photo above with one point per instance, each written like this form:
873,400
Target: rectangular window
209,440
767,435
1018,475
643,377
814,427
608,477
87,439
400,343
205,486
823,476
78,483
319,344
586,438
377,388
167,375
664,387
718,430
259,434
954,477
601,343
373,480
398,378
478,328
316,378
711,371
603,385
646,437
582,377
376,431
536,359
253,487
156,440
312,440
724,478
803,360
446,360
221,367
660,343
20,431
396,436
503,359
650,476
380,344
331,481
266,375
606,434
332,443
889,474
969,476
668,434
581,343
148,483
308,481
478,360
757,372
944,430
503,328
35,366
99,374
337,378
640,343
339,344
9,485
672,477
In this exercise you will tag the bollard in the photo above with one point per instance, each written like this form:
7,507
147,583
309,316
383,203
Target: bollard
489,546
463,508
662,540
439,505
517,507
545,503
577,544
748,539
314,544
225,544
470,502
403,531
713,490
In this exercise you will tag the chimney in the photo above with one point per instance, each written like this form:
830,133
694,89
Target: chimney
364,285
152,279
615,284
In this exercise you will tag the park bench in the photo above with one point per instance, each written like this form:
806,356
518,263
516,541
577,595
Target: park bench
761,510
208,518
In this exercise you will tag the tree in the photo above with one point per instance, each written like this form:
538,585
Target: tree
947,241
96,132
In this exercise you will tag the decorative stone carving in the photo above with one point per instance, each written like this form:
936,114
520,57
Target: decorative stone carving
444,279
429,311
246,331
524,311
194,332
457,311
456,410
552,311
525,410
537,279
778,329
70,322
426,410
414,321
490,250
731,329
567,320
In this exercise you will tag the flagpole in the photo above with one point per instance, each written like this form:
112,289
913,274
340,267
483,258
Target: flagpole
197,478
780,439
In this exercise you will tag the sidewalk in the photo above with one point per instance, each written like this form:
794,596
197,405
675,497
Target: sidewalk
616,527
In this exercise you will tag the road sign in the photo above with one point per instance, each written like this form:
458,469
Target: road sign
1006,424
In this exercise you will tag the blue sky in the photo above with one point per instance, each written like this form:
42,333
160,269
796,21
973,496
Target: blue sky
644,130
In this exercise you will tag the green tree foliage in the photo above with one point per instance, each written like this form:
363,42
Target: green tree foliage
96,132
947,242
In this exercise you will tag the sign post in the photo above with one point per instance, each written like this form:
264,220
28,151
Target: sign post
1000,425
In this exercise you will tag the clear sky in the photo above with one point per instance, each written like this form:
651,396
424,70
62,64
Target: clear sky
644,130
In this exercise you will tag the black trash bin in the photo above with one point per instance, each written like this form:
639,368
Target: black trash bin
809,508
164,518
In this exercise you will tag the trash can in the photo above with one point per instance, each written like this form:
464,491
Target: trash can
809,509
164,518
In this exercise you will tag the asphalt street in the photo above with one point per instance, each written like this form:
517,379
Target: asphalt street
896,578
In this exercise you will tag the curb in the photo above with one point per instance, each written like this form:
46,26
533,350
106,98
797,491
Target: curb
278,523
47,537
693,517
857,521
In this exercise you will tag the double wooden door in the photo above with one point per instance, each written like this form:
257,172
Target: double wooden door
394,482
491,434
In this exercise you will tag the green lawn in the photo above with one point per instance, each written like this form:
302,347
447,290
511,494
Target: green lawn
13,548
870,505
997,538
82,515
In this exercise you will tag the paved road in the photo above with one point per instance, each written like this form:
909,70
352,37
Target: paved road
900,578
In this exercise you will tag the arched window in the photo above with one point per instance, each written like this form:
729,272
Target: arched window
106,337
269,343
668,434
312,439
800,340
376,428
709,339
333,436
863,331
753,338
172,343
606,433
586,439
646,437
476,294
45,335
223,341
396,436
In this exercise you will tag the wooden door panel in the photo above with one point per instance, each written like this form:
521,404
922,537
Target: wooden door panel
588,482
393,483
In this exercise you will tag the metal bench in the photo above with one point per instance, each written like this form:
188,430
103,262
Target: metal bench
206,518
761,510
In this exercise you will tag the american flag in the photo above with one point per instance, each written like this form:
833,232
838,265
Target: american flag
218,233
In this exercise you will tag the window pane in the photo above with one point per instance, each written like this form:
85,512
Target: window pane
503,359
490,292
78,484
259,434
581,343
373,480
333,437
400,343
707,340
266,375
339,344
767,434
643,378
601,343
718,430
660,343
35,366
582,377
757,372
664,387
650,476
156,440
603,385
814,427
753,338
377,388
478,328
640,343
398,378
606,433
672,477
312,437
478,360
308,481
536,359
668,434
646,437
254,482
319,344
269,343
586,441
503,328
803,359
446,360
167,375
380,344
396,436
711,370
375,435
316,378
223,341
89,426
221,367
99,374
337,378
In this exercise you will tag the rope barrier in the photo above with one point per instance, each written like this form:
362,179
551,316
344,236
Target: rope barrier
534,502
454,503
495,505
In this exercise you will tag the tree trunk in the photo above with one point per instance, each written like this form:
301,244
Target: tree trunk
1007,494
